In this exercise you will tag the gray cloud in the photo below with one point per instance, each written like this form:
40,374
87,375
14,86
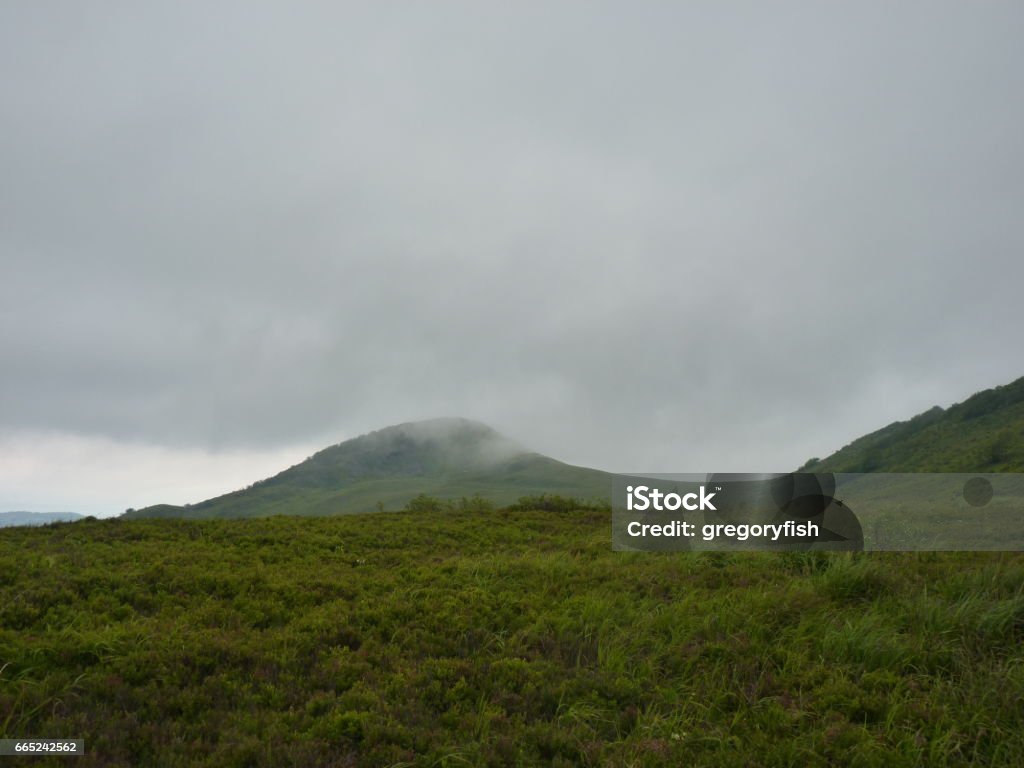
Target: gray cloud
676,237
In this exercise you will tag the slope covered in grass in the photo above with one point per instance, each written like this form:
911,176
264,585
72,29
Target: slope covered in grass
444,458
505,639
985,433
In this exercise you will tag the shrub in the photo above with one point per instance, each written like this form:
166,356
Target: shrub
423,503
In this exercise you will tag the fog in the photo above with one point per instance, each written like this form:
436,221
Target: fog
666,238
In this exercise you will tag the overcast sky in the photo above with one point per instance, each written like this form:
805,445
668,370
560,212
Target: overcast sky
678,237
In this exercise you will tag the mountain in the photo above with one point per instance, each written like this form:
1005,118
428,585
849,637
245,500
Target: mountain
445,458
984,433
8,519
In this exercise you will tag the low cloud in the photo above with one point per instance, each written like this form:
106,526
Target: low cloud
674,238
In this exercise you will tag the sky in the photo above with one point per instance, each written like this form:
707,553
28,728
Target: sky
664,237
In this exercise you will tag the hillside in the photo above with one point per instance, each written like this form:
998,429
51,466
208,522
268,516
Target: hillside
443,458
984,433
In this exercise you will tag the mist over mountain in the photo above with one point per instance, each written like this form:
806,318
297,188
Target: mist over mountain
451,458
448,458
411,449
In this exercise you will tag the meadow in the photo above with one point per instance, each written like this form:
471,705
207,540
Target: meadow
456,634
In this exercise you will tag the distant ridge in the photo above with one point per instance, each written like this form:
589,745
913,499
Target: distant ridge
8,519
448,458
984,433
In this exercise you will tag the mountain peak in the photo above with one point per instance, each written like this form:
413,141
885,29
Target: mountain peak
439,429
418,447
446,457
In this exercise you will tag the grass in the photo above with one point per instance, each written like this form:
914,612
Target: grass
984,433
516,637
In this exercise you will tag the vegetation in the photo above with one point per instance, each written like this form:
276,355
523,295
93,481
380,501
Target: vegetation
448,459
985,433
447,637
454,633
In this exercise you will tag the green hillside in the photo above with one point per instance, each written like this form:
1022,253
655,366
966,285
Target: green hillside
442,458
985,433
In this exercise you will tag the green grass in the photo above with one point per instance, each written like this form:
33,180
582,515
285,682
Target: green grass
517,637
985,433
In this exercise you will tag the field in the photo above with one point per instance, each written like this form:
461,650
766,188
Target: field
517,637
